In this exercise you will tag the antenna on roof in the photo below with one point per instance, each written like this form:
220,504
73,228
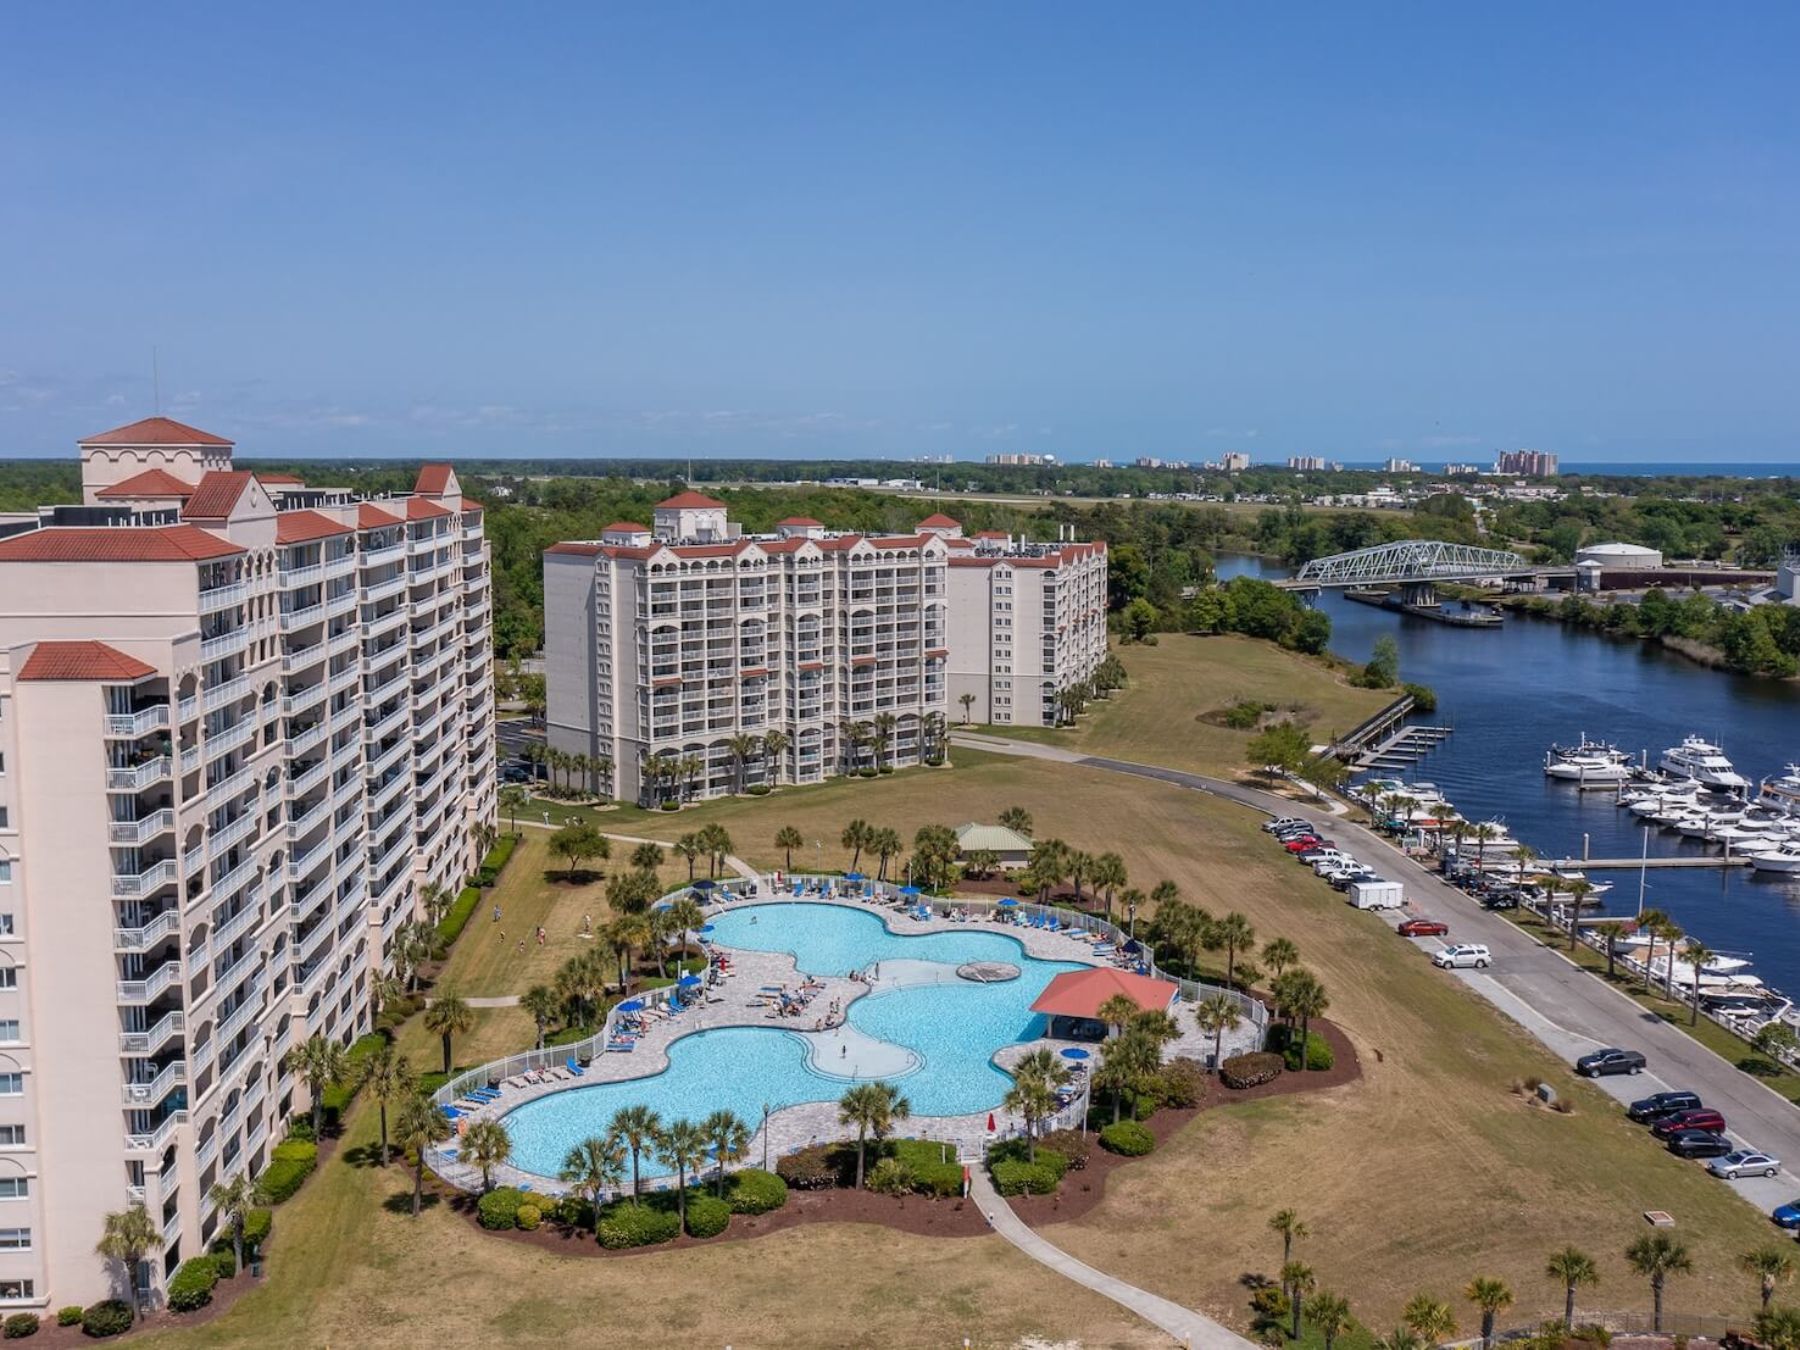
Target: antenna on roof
155,383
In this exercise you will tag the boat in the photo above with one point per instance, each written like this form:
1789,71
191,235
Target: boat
1587,762
1783,859
1702,762
1780,793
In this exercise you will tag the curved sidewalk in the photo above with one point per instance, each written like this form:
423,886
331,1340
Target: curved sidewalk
1194,1330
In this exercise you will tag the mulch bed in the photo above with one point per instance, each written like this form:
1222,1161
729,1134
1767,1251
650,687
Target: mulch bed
924,1216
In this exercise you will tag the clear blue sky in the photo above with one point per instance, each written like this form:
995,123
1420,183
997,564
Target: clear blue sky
1351,230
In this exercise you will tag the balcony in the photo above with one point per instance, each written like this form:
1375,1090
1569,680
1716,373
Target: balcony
142,939
141,831
299,824
149,1042
308,779
344,602
231,881
300,866
142,1094
347,641
292,619
229,643
237,969
299,743
222,742
231,787
386,553
146,990
298,702
308,980
303,659
145,882
218,695
237,925
312,574
158,1139
343,565
310,946
374,592
216,598
130,726
142,777
392,721
239,1017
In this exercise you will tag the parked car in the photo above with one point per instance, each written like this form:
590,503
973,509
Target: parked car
1700,1118
1423,928
1303,843
515,773
1460,955
1608,1061
1500,902
1343,881
1285,823
1786,1216
1744,1162
1659,1105
1699,1144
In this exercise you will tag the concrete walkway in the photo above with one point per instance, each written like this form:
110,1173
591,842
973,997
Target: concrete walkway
1190,1328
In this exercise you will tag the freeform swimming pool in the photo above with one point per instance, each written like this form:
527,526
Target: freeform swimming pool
950,1029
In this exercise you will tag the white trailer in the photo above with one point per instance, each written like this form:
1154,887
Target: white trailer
1377,894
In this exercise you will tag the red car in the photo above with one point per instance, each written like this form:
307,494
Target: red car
1303,843
1701,1118
1423,928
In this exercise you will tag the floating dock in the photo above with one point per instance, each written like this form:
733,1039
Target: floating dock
1404,748
1468,616
1632,864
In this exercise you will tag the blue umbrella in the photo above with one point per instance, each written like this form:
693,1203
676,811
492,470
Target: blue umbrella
909,890
688,980
1074,1052
632,1005
704,884
1008,903
706,928
853,876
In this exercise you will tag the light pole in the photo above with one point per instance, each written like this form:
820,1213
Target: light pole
765,1136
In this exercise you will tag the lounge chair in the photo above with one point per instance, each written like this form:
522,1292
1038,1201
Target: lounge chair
574,1068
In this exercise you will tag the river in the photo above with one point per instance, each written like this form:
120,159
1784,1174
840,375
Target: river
1513,692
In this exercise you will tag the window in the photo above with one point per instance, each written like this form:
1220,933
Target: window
6,922
18,1289
14,1188
15,1239
9,1029
12,1084
9,977
12,1136
5,871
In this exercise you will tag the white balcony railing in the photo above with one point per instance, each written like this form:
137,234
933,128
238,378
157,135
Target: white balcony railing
141,777
143,830
218,695
145,990
149,1042
157,874
142,939
158,1139
225,644
140,723
145,1094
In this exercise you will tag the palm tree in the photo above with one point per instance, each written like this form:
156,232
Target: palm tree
1234,933
419,1126
1651,922
774,746
541,1005
591,1166
647,856
1656,1256
448,1016
787,839
1778,1328
854,837
626,934
1117,1012
1572,1267
1108,875
685,917
386,1078
1671,933
1298,1279
1400,1338
1081,866
1698,954
637,1128
322,1062
235,1199
1306,1000
1523,854
1127,1061
1492,1297
486,1144
1330,1314
128,1236
1772,1266
1218,1014
1579,889
1611,932
1280,953
688,846
881,736
683,1147
1017,819
512,797
1430,1317
967,701
1033,1093
1291,1227
728,1137
872,1108
742,746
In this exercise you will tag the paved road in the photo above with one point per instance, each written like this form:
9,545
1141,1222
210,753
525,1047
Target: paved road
1189,1328
1560,1004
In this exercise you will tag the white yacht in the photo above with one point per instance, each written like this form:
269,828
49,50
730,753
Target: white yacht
1702,762
1588,762
1784,858
1780,793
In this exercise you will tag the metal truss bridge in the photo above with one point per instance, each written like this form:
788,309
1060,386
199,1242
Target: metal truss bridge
1412,564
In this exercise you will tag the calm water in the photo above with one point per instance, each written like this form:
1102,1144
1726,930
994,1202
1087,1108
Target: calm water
1511,693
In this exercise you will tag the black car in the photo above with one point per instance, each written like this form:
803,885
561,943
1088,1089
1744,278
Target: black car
1699,1144
1500,902
1610,1060
1649,1110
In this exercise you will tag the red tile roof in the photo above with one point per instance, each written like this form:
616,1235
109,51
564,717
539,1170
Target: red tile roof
82,661
575,548
939,521
433,480
625,527
163,543
373,518
1080,993
149,483
279,479
417,508
991,534
800,520
216,495
689,501
710,550
156,431
302,527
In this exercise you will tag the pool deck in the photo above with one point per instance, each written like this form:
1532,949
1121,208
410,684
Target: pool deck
737,1003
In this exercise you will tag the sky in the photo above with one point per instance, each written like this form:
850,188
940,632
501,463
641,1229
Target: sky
791,229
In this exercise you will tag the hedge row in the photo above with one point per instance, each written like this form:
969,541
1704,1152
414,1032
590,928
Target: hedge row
1128,1139
457,917
499,1208
623,1225
495,862
1243,1071
337,1096
290,1163
191,1287
754,1191
707,1216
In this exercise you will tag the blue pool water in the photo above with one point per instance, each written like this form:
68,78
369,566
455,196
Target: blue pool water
952,1029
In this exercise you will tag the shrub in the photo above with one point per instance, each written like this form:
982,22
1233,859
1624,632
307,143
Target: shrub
224,1262
1128,1139
933,1173
1244,1071
754,1191
933,761
499,1208
456,918
109,1317
758,789
810,1169
625,1225
671,806
1285,1041
192,1285
707,1216
1013,1176
891,1176
574,1211
20,1325
1071,1145
529,1217
290,1163
257,1225
69,1316
1179,1084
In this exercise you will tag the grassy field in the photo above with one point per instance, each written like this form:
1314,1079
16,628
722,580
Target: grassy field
1428,1171
1157,717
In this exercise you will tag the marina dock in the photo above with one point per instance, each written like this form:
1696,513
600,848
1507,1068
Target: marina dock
1404,748
1632,864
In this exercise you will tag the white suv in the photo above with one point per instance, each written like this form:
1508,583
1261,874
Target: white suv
1460,955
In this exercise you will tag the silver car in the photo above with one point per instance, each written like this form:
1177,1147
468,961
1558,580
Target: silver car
1744,1162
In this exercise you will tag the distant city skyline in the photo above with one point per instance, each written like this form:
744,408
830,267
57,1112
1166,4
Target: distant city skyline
805,232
